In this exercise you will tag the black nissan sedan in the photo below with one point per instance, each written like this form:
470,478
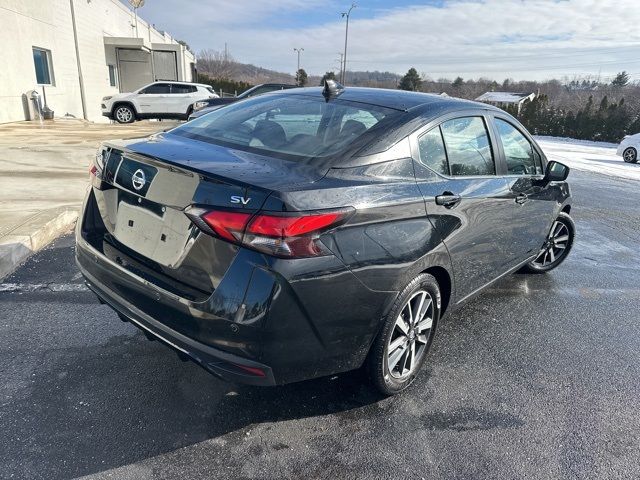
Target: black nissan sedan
313,231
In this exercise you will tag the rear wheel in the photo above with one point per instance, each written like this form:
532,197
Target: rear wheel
400,349
630,155
556,246
124,114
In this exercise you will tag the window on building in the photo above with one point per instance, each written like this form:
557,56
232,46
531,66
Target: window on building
43,66
112,75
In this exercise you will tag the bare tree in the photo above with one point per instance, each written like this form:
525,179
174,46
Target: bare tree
217,64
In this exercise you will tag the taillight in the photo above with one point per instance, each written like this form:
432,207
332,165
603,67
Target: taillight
95,170
286,235
228,225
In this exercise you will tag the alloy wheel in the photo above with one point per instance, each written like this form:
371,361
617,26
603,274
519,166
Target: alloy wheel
408,341
630,155
124,114
555,246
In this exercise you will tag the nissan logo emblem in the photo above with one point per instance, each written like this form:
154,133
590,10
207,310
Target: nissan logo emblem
138,179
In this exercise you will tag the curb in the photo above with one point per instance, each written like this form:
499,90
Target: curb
37,232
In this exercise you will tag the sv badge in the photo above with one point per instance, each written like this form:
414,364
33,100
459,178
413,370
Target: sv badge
239,199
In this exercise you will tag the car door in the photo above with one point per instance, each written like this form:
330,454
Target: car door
533,202
153,99
465,199
180,98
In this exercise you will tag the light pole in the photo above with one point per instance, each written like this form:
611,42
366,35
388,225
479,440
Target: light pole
299,50
346,35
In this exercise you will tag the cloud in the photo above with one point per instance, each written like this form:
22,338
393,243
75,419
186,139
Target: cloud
471,38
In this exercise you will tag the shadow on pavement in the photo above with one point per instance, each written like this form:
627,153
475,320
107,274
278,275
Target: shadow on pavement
91,409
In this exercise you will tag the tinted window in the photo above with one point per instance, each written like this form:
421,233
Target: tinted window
299,126
432,151
260,91
177,88
521,158
42,63
468,147
157,88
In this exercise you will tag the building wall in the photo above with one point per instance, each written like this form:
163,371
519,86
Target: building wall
47,24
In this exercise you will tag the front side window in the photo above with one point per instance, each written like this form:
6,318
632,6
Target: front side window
298,126
157,88
43,66
468,147
520,155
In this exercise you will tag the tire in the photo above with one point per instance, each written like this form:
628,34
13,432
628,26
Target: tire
556,246
391,373
124,114
630,155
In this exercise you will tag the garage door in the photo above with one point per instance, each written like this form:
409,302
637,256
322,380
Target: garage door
164,64
135,69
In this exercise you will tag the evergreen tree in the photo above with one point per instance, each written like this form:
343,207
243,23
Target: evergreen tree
411,81
621,79
301,77
458,82
327,76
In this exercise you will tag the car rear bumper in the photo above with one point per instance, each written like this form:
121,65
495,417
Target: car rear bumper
224,365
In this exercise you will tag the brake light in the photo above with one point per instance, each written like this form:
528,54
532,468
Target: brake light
228,225
279,234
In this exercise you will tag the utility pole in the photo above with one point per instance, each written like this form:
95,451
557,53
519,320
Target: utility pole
299,50
346,35
340,69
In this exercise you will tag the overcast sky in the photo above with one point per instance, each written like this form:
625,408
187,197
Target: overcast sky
519,39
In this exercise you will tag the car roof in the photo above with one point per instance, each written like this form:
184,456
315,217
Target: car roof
179,82
395,99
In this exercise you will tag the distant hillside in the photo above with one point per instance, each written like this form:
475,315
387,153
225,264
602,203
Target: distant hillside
218,65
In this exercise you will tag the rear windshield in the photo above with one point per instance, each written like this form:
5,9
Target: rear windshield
298,126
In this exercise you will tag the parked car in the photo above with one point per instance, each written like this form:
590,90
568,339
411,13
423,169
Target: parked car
205,106
629,147
313,231
156,100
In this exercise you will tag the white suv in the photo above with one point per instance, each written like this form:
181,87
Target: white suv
156,100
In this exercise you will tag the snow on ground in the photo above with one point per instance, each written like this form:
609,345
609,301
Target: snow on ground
599,157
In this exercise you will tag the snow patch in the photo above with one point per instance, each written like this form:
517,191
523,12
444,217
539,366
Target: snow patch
598,157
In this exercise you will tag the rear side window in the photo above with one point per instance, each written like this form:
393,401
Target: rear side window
432,151
520,155
177,88
468,147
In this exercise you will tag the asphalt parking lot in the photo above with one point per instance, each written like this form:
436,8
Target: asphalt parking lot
536,378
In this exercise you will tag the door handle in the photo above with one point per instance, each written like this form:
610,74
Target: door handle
522,198
448,199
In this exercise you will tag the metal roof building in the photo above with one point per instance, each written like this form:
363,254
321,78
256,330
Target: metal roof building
504,99
77,51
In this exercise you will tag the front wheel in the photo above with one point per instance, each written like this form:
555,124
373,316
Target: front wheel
630,155
400,349
556,246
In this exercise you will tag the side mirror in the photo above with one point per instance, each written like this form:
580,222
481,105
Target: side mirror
556,172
